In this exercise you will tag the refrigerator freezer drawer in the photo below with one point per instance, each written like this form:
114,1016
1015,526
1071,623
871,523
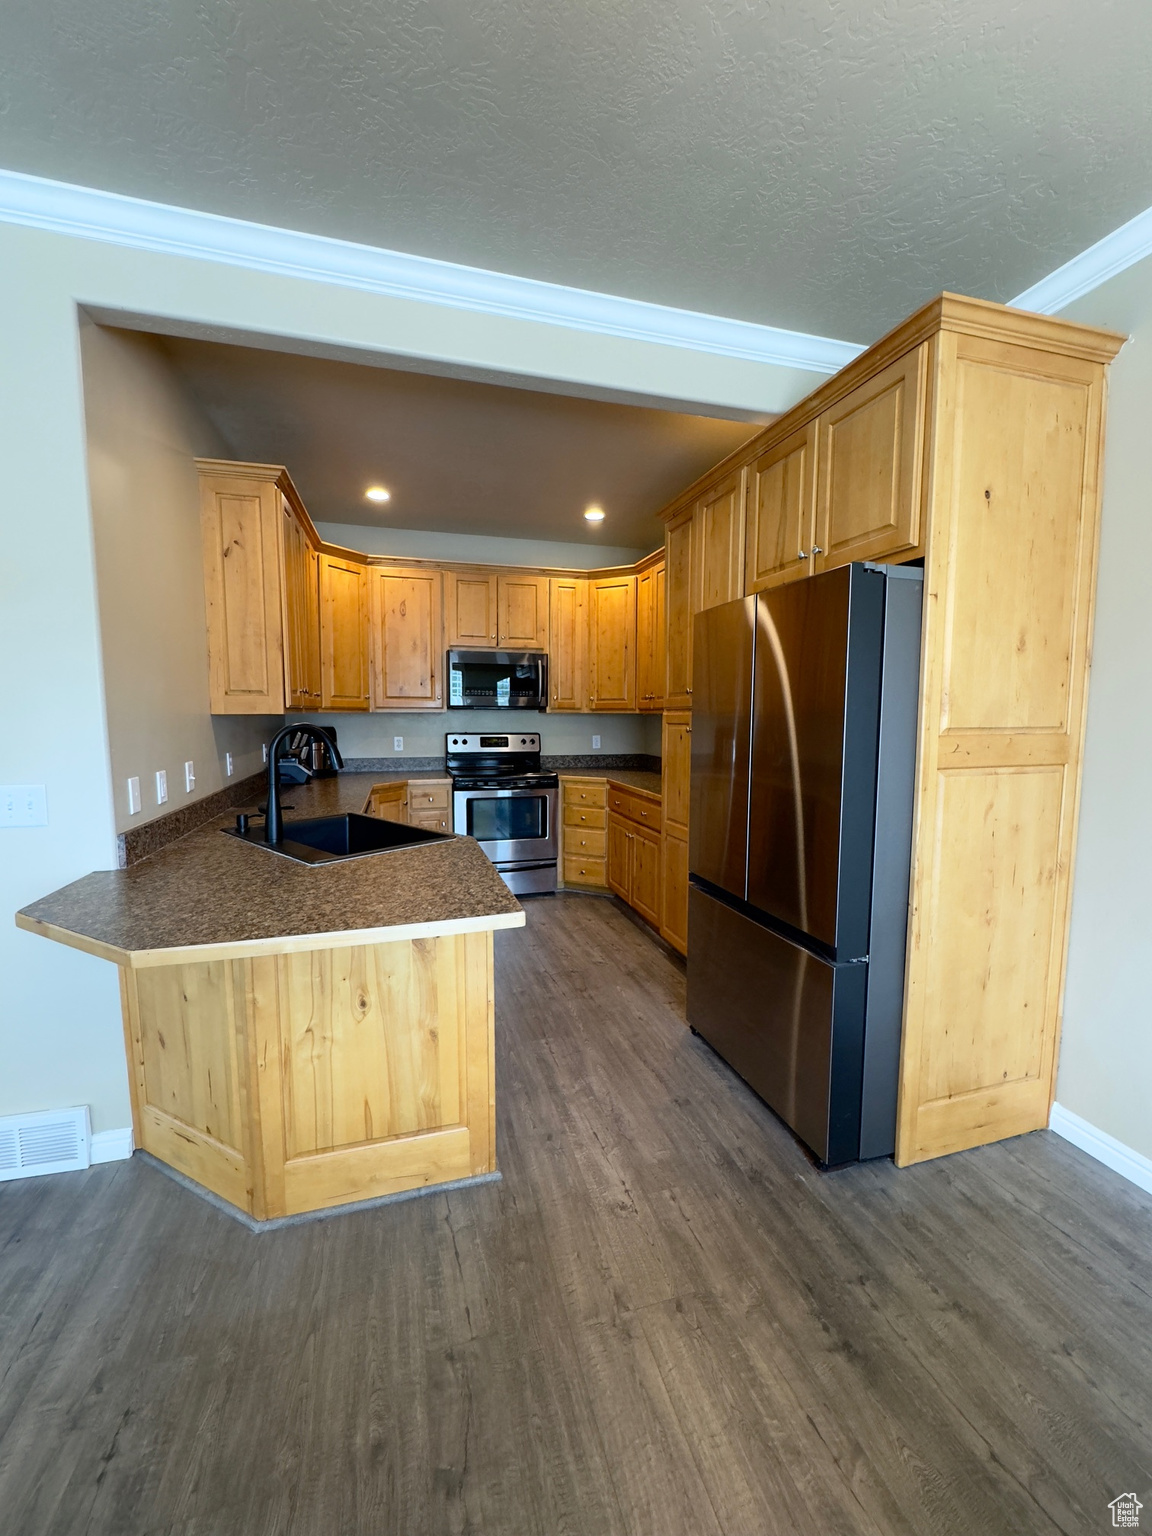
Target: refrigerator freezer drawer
791,1024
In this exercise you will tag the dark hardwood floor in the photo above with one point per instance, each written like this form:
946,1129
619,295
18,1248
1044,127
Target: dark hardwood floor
663,1322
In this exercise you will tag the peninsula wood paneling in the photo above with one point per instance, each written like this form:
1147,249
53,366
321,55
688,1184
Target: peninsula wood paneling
1008,598
407,639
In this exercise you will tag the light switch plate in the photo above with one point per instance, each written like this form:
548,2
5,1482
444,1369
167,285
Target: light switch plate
161,785
23,805
133,797
189,777
228,764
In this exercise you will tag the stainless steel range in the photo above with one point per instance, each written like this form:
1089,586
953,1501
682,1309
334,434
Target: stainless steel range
509,804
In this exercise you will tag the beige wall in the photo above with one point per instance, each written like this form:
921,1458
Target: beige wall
1106,1049
416,544
142,434
423,733
60,1035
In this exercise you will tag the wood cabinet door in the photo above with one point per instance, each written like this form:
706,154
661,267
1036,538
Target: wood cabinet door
646,861
343,633
302,614
718,545
407,640
522,612
470,604
781,512
240,520
612,642
870,456
674,895
650,639
679,609
568,643
620,840
677,771
389,802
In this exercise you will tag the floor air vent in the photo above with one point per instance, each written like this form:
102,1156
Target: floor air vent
55,1141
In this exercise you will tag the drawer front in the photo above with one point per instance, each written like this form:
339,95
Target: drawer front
431,821
585,816
586,794
636,808
586,843
427,797
592,873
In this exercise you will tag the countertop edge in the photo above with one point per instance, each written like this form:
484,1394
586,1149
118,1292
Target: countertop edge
278,944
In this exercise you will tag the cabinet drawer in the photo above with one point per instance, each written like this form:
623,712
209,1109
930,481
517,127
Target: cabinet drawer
637,808
586,843
585,794
585,816
432,821
427,797
589,872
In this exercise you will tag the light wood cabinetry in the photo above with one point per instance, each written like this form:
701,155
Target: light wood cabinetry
293,1082
406,639
870,457
718,544
679,609
343,634
470,610
612,643
781,512
389,801
302,612
650,639
522,612
430,804
583,833
568,643
676,763
635,850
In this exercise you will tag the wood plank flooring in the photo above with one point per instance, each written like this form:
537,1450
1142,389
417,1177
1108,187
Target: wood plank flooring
663,1322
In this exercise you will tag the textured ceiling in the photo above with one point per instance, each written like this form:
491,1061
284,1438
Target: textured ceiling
457,457
823,165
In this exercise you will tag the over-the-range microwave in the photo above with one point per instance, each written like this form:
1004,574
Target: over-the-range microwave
498,680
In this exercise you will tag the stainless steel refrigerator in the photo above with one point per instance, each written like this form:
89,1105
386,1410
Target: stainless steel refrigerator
803,772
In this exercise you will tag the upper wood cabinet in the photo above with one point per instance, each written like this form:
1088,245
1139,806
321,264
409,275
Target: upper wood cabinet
470,621
870,453
302,613
568,644
240,521
343,634
679,609
650,639
718,544
612,643
407,628
522,612
780,519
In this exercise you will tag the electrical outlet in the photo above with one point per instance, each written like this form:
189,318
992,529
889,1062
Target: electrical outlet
23,805
189,777
133,797
397,743
228,764
595,743
161,786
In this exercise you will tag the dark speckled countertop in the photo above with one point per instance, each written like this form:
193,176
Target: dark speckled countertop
212,893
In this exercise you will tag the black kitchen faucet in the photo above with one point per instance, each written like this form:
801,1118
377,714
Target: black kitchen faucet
273,822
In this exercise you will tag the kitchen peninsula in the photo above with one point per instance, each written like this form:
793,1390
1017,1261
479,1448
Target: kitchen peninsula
301,1037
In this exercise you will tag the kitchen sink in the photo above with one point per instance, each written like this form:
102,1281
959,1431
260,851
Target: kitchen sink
329,839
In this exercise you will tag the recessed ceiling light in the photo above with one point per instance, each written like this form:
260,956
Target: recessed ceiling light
595,514
378,493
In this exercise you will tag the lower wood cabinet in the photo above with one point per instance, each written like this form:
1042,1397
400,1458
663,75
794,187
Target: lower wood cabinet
430,804
388,801
676,784
583,834
674,895
635,851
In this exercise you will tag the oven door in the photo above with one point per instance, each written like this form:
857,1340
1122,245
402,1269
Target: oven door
513,826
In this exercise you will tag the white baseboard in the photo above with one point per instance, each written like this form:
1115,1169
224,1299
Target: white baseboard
112,1146
1133,1166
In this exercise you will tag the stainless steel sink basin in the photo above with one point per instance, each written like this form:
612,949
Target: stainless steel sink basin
330,839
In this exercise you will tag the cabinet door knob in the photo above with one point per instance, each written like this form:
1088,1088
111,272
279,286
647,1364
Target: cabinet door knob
816,550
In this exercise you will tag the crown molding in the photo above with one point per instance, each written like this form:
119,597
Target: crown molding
89,214
1121,249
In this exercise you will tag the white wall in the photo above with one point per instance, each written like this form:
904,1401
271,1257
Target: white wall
60,1034
142,434
1105,1073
